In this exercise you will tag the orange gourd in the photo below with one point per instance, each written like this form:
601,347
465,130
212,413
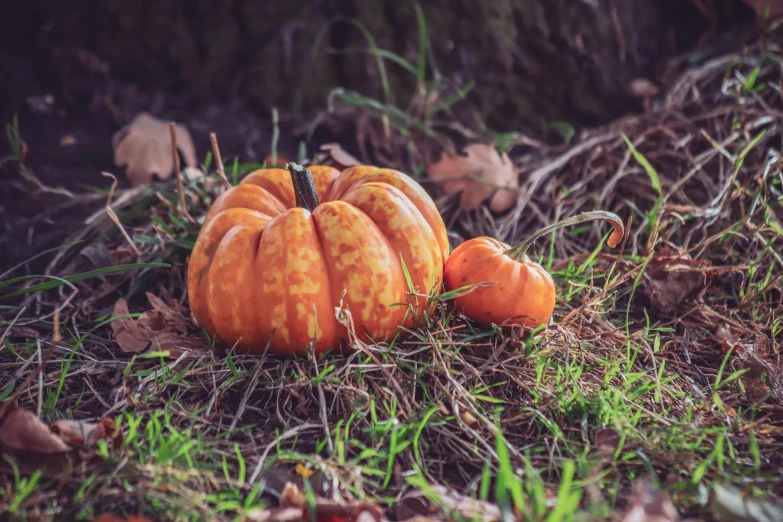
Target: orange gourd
281,251
520,292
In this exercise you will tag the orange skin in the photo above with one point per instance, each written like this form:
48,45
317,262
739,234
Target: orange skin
266,271
518,293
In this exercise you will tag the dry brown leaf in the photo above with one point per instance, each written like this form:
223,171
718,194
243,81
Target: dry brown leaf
326,510
160,329
727,336
479,174
671,280
650,505
340,156
417,505
175,315
763,373
80,433
53,449
144,145
607,439
22,431
292,497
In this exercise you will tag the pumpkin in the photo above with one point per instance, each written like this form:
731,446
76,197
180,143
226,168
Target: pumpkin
506,287
282,250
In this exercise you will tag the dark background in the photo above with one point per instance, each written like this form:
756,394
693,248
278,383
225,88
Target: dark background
75,72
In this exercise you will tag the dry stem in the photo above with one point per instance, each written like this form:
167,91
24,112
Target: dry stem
218,160
175,156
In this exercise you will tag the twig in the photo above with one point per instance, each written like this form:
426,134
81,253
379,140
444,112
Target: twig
40,379
288,433
175,157
248,392
114,217
218,160
10,325
26,384
322,406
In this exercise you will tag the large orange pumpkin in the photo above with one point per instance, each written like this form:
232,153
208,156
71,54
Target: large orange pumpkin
279,252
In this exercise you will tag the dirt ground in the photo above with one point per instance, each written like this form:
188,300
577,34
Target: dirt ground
657,388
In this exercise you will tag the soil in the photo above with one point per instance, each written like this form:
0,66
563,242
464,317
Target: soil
67,130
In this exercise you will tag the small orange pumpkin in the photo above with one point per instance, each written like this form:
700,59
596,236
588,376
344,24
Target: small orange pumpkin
520,292
279,252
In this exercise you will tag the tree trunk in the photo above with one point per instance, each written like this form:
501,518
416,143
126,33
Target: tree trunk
533,61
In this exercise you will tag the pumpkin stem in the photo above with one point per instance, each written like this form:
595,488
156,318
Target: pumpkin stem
304,186
519,251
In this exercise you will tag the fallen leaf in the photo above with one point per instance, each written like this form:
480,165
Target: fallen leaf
479,174
328,510
727,336
650,505
291,496
607,439
339,156
79,433
175,315
728,504
762,373
33,445
411,506
417,505
671,280
160,329
144,145
277,478
21,430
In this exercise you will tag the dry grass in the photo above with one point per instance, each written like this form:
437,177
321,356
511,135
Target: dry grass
653,367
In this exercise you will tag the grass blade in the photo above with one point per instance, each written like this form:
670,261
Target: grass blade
646,165
84,275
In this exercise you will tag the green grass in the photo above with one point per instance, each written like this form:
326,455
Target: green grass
553,424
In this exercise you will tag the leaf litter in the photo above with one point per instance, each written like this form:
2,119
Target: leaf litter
671,280
479,174
164,328
615,360
650,505
763,376
144,147
54,449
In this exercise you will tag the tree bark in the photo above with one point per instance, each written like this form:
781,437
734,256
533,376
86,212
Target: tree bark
534,61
